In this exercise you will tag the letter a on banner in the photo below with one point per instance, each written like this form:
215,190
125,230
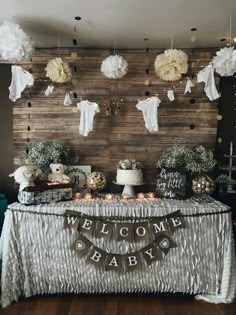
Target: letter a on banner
114,262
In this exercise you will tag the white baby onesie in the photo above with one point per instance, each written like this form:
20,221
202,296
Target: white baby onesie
149,109
87,113
207,76
49,90
188,87
19,80
171,96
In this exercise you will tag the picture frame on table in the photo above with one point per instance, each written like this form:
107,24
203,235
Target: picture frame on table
78,175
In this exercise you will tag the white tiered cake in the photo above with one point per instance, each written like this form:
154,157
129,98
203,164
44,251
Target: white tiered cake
129,177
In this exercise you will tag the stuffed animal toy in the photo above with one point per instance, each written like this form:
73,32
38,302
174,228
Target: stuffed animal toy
26,175
58,175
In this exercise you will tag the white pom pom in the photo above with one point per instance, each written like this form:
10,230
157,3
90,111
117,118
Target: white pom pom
225,61
170,65
114,67
58,71
15,45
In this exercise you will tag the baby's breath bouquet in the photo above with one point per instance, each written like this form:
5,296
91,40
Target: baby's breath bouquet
129,164
43,152
195,161
178,155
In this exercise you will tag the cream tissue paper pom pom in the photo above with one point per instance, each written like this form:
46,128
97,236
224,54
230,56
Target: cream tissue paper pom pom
170,65
114,67
58,71
15,45
225,61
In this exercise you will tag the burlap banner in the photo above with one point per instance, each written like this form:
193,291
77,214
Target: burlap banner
132,232
156,230
127,262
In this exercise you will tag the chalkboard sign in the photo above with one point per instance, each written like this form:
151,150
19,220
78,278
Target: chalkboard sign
171,183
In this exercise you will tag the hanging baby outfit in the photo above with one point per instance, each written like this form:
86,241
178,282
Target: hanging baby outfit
171,96
19,80
87,113
49,90
188,87
207,76
67,100
149,109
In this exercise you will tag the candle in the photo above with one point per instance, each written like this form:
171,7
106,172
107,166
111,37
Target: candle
125,196
141,196
151,195
77,195
108,197
88,196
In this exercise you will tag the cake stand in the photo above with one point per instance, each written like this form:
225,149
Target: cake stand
128,189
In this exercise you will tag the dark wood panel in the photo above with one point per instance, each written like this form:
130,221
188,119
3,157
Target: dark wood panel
121,136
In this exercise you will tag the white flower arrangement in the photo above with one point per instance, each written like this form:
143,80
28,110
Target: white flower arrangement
58,70
225,180
170,65
225,61
15,44
114,67
129,164
43,152
195,161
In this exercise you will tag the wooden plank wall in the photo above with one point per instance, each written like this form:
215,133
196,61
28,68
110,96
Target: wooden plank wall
190,118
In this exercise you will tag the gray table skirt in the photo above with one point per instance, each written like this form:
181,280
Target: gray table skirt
37,254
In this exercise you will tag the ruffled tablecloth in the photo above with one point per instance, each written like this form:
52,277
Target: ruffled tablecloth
37,254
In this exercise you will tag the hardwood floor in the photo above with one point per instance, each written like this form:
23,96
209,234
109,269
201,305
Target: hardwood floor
165,304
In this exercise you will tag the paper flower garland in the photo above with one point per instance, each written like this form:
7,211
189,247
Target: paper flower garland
225,61
170,65
58,71
15,45
114,67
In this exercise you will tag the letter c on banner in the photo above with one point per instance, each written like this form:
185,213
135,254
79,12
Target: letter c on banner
121,231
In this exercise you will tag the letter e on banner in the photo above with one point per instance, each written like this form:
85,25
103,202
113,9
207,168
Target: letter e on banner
177,223
114,262
87,225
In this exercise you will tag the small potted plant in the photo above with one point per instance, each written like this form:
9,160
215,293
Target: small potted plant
225,183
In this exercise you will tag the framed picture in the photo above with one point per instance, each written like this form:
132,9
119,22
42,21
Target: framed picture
171,183
78,175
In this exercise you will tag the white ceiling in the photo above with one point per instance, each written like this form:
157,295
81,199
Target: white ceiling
128,21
